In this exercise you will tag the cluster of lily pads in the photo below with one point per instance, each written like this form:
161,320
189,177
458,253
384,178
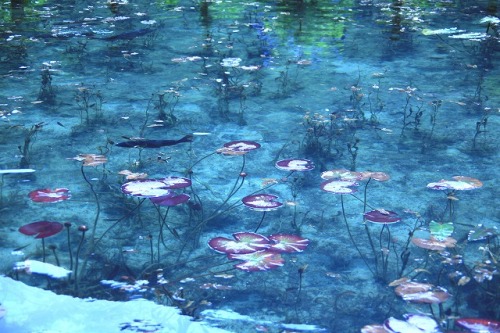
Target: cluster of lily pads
258,253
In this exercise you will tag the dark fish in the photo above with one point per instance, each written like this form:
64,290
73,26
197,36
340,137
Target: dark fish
144,143
130,34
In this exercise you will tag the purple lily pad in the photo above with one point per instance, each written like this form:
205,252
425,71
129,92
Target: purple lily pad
339,186
382,216
262,202
262,260
171,199
245,242
288,243
295,164
41,229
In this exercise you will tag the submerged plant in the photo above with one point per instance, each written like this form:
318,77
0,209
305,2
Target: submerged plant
47,93
26,148
90,160
89,98
166,103
341,181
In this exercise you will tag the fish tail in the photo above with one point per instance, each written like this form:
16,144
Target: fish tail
187,138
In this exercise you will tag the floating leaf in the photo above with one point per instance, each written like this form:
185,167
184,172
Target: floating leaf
339,186
480,232
245,242
441,231
479,325
288,243
258,261
48,195
382,216
434,244
262,202
295,164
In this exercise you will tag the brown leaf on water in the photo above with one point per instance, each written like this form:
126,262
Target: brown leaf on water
90,159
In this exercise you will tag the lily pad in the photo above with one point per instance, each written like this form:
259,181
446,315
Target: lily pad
288,243
295,164
441,231
262,260
245,242
339,186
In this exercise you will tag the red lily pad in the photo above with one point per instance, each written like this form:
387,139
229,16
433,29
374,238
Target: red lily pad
339,186
288,243
295,164
245,242
41,229
262,260
477,325
262,202
171,199
48,195
146,188
382,216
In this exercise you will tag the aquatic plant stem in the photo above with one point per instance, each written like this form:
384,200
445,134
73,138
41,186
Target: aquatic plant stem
351,237
96,220
76,276
260,223
68,225
43,249
370,240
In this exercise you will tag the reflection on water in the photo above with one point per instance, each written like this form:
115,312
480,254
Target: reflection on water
406,89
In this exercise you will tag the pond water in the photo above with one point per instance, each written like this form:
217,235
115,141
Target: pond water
397,95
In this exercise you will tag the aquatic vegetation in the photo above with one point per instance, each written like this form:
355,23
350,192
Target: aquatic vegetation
47,92
294,165
417,323
259,253
478,324
26,148
49,195
342,181
354,85
89,98
166,103
261,203
459,183
41,229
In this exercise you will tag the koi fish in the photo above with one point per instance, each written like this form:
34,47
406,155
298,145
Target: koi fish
145,143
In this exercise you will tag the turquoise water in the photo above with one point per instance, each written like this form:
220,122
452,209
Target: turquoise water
358,85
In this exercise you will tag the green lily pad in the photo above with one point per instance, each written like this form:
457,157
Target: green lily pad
441,231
